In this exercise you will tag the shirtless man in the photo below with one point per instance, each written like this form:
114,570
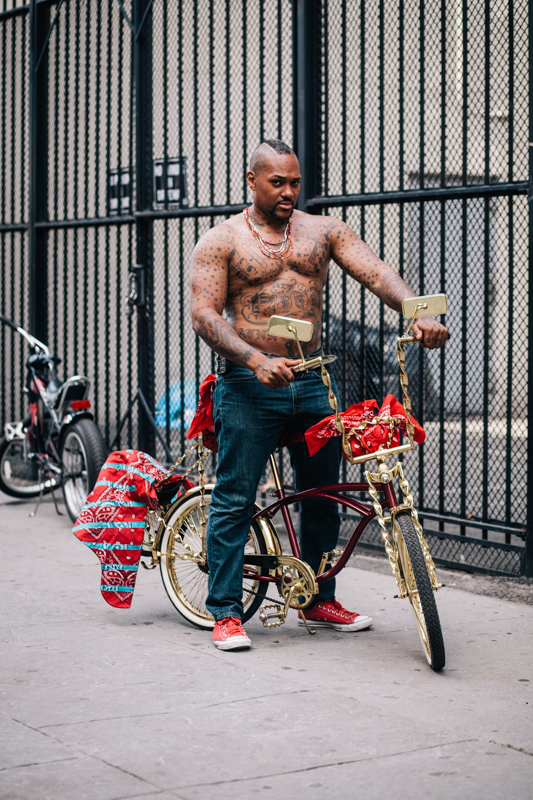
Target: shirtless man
238,280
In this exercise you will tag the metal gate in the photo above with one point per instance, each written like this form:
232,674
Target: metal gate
125,131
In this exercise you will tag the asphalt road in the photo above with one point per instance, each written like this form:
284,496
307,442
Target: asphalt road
101,704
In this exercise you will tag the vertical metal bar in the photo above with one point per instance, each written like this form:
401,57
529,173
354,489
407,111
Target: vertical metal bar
3,236
23,294
528,553
442,370
381,185
131,244
143,126
443,94
129,362
363,366
23,206
401,101
108,100
279,45
510,361
14,93
401,154
344,382
464,265
182,338
55,193
325,93
261,70
464,340
166,302
119,232
165,78
486,278
486,357
228,106
87,79
442,354
76,187
13,236
324,183
107,362
196,338
166,299
39,20
212,125
211,104
422,92
96,242
306,84
3,115
76,131
421,361
244,101
195,108
196,174
464,62
65,155
510,309
180,223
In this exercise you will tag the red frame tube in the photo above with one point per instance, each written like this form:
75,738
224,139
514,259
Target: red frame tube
330,492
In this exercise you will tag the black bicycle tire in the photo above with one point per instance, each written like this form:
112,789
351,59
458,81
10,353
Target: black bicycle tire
4,487
260,594
425,591
96,452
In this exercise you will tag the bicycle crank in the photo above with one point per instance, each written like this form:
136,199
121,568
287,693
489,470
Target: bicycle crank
297,587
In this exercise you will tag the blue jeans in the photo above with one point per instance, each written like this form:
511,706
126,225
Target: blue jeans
249,419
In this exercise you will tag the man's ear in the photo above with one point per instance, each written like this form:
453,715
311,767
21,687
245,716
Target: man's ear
251,177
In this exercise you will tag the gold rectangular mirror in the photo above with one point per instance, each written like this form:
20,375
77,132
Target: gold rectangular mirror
426,306
279,326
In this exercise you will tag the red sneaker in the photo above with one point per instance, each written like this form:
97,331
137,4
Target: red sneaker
228,634
330,614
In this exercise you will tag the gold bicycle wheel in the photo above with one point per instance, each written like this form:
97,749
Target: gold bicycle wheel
420,590
186,581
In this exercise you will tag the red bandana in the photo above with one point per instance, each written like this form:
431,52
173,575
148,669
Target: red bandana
371,437
112,520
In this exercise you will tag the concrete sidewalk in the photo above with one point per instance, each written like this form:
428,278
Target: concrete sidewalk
101,704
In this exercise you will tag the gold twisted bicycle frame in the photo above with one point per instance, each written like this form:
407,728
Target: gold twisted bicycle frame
384,473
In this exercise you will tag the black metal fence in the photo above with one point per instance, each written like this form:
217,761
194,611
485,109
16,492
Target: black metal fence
125,131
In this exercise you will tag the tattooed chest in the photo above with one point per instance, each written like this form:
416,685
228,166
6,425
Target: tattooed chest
249,266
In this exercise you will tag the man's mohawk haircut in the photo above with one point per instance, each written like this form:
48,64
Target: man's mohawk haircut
261,152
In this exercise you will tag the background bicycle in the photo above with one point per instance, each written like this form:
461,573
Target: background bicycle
58,445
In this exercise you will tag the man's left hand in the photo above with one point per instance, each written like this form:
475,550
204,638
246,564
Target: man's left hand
430,333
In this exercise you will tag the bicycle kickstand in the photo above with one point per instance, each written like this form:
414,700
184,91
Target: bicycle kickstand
36,509
59,513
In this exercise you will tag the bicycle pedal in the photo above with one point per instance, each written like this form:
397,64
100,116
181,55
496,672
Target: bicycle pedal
277,615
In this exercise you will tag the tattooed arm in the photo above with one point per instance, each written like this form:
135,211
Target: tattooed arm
357,259
208,295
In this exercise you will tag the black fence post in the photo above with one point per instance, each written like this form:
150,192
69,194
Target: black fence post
38,288
528,554
306,117
142,24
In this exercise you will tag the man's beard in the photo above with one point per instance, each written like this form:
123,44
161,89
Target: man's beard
278,216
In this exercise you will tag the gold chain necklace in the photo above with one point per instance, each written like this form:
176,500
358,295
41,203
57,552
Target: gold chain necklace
270,249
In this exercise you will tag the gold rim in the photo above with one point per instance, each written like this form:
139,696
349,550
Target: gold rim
414,597
189,581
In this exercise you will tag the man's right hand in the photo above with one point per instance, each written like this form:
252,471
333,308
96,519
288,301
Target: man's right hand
276,372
